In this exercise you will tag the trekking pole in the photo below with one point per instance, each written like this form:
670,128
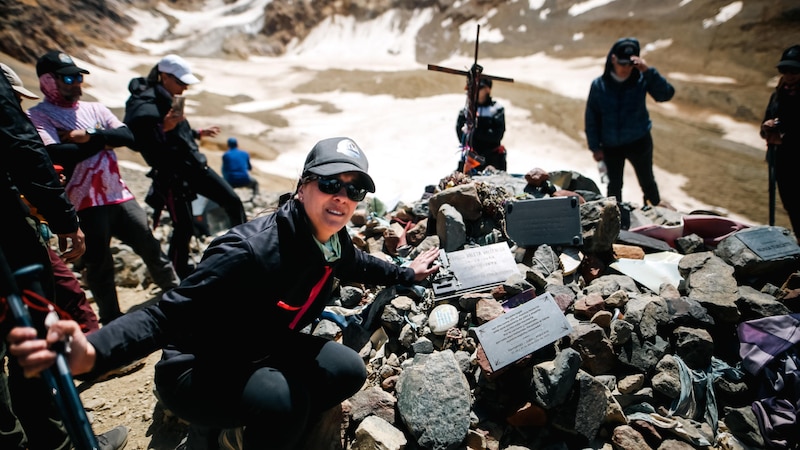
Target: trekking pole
771,150
58,376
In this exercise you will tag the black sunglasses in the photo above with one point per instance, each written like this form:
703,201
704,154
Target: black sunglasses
332,186
71,79
789,70
178,80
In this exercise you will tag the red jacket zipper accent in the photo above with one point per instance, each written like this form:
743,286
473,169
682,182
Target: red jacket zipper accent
311,297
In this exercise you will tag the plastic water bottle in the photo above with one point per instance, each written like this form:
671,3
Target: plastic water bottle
603,170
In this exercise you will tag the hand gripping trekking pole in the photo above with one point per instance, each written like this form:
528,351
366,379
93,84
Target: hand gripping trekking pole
58,377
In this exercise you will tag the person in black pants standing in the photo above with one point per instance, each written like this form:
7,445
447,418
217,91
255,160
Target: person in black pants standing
781,130
617,122
168,143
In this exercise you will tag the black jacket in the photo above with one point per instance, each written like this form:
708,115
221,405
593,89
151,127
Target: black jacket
258,283
28,170
490,126
172,152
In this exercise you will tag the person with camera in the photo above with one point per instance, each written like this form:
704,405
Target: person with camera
155,114
617,122
781,129
237,352
81,136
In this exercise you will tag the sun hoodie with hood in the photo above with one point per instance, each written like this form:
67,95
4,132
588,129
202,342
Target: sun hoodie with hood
616,112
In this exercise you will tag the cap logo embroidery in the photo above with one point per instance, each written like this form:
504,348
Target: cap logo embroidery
348,148
65,58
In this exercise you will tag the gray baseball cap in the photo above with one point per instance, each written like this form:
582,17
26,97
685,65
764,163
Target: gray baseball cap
16,82
337,155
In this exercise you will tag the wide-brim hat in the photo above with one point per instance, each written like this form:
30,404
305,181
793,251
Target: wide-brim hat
337,155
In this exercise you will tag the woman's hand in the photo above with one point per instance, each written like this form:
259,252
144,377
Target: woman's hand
35,355
423,264
70,253
209,132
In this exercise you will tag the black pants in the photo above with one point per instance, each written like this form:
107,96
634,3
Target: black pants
274,399
787,159
640,154
210,185
127,221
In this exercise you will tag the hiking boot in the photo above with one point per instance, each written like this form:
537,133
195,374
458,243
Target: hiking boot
121,371
231,439
115,439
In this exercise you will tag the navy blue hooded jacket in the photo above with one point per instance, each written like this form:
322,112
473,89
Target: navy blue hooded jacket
616,112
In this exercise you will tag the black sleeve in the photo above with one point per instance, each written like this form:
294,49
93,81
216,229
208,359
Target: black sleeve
117,137
69,154
28,167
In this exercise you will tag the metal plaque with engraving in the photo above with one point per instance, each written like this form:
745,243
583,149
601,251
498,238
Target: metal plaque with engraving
522,330
768,243
476,267
552,221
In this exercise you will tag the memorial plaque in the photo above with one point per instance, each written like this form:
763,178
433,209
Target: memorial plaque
552,221
768,243
522,330
466,269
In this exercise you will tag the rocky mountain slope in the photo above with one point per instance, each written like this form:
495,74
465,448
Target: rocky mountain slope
702,39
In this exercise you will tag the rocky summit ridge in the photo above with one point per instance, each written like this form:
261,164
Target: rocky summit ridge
714,38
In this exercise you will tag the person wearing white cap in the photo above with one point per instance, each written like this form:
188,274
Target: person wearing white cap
168,143
236,355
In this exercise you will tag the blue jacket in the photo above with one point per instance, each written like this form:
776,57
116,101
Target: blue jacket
235,167
616,112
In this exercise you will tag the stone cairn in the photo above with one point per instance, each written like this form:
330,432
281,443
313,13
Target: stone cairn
640,369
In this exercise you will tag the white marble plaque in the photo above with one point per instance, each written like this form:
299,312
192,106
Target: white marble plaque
522,330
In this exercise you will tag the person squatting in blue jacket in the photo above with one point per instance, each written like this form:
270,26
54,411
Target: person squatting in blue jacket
236,167
235,354
617,123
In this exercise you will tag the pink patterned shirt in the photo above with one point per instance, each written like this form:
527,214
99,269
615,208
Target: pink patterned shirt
96,181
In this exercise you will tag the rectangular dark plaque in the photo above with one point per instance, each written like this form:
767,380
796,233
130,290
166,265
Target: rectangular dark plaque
552,221
768,243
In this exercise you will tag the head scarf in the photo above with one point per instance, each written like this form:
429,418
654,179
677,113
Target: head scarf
47,84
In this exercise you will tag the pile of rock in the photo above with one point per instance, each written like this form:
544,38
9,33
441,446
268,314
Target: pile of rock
641,368
656,367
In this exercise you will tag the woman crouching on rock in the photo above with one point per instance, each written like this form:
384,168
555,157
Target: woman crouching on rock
234,356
